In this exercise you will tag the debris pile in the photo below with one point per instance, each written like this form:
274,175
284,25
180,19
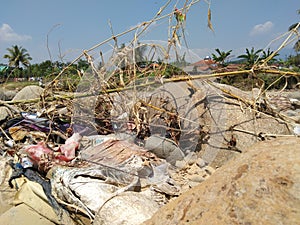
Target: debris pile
68,174
68,177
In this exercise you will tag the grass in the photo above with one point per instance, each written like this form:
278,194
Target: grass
17,85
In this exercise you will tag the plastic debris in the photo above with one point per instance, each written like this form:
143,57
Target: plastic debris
65,153
68,149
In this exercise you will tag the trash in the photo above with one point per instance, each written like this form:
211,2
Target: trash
25,215
114,167
28,203
30,125
35,152
26,162
87,189
9,143
33,196
17,133
128,208
68,149
161,181
33,117
132,158
297,130
115,152
40,152
29,173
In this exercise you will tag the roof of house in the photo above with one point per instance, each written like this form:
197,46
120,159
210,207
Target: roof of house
204,62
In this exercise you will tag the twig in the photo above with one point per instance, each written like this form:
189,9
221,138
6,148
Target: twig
4,103
47,40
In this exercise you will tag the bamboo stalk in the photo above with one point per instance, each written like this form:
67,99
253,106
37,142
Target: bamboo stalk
169,80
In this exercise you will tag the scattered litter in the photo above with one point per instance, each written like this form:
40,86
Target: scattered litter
297,130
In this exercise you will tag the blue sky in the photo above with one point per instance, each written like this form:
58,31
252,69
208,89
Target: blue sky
77,25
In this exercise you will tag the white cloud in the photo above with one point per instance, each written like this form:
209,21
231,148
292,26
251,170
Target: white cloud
7,34
262,28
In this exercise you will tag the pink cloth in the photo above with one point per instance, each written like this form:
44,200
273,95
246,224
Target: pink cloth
67,151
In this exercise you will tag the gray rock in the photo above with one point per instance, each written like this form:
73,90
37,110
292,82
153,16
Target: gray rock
29,92
296,118
219,114
191,158
180,164
201,163
290,113
7,95
164,148
295,103
4,113
196,178
209,170
295,95
193,184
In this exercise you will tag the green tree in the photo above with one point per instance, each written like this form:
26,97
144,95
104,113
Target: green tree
250,57
267,54
82,64
16,56
221,57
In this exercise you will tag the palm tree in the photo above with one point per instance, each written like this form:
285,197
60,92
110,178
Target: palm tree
251,56
267,54
17,55
221,57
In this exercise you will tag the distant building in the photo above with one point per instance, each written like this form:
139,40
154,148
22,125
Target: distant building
204,66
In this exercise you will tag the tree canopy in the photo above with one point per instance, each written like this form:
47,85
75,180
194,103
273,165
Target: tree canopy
221,57
17,55
251,56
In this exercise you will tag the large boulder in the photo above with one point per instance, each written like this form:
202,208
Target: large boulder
260,186
227,124
214,120
29,92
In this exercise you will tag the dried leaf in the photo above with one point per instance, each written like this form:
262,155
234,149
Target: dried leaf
17,133
209,24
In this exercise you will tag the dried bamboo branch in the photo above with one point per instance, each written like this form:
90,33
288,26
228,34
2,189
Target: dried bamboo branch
169,80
